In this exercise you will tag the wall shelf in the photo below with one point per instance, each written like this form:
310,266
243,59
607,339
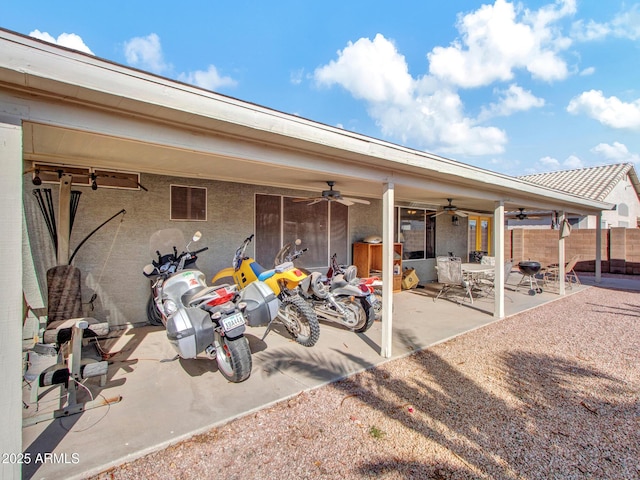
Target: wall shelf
368,258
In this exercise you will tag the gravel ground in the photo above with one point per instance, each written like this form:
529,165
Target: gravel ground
551,393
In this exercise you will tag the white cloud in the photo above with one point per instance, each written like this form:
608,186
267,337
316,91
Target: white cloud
610,111
572,162
626,25
494,43
69,40
616,152
550,164
370,70
514,99
588,71
296,76
419,111
209,79
146,53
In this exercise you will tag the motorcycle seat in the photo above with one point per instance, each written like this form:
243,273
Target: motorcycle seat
338,281
266,274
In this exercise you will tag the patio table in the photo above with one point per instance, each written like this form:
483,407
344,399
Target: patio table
474,272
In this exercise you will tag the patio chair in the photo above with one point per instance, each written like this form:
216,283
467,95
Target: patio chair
487,260
487,283
450,277
551,273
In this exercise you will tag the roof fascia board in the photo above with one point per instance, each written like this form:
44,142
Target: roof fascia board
78,76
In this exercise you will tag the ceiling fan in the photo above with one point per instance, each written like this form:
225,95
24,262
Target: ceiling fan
521,215
332,195
452,210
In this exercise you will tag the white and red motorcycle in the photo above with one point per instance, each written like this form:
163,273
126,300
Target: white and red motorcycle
199,319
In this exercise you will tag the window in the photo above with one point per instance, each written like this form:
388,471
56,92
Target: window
322,228
417,232
188,203
623,210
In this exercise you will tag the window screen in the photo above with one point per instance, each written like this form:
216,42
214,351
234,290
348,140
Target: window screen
322,228
188,203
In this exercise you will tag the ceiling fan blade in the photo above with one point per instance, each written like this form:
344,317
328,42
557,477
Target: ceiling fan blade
314,201
357,200
440,213
461,213
344,201
301,199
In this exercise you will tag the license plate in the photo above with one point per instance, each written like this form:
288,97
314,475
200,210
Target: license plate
233,321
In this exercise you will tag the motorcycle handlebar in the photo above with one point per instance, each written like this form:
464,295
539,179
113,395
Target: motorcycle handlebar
199,251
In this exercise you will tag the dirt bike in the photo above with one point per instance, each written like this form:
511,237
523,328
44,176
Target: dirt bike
337,301
294,313
198,318
372,285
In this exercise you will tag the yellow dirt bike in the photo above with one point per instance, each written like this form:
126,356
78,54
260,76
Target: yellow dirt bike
297,316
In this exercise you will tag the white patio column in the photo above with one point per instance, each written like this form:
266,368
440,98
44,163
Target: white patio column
387,270
561,256
498,242
11,296
598,276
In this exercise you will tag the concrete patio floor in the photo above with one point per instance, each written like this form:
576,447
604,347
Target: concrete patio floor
165,401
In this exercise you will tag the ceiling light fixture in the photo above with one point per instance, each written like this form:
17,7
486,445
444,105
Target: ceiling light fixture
36,178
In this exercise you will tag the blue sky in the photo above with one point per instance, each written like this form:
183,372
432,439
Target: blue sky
513,87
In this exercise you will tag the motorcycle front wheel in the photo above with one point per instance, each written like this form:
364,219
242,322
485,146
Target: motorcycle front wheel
233,357
300,320
377,304
153,315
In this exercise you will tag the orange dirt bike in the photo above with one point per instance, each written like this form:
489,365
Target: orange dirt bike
294,313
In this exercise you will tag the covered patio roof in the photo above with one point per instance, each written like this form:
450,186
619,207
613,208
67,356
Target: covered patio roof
87,111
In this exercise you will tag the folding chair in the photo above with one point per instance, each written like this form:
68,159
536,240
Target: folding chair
450,276
551,273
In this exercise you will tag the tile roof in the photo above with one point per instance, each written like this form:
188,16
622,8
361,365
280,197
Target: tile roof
594,182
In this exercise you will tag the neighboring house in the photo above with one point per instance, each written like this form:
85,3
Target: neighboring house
617,184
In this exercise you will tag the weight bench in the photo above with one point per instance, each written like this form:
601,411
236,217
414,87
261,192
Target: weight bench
68,336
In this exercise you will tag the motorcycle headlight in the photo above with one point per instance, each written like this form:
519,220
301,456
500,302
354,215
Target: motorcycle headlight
170,307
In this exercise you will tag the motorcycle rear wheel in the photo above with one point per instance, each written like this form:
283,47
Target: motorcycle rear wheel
356,307
153,315
300,320
233,357
370,314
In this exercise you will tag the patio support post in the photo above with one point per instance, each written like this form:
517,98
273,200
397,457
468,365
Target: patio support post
387,269
498,236
598,275
12,300
561,257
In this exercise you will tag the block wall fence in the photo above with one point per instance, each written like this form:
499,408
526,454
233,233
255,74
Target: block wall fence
620,251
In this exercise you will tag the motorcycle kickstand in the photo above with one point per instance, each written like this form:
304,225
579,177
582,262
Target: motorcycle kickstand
266,332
